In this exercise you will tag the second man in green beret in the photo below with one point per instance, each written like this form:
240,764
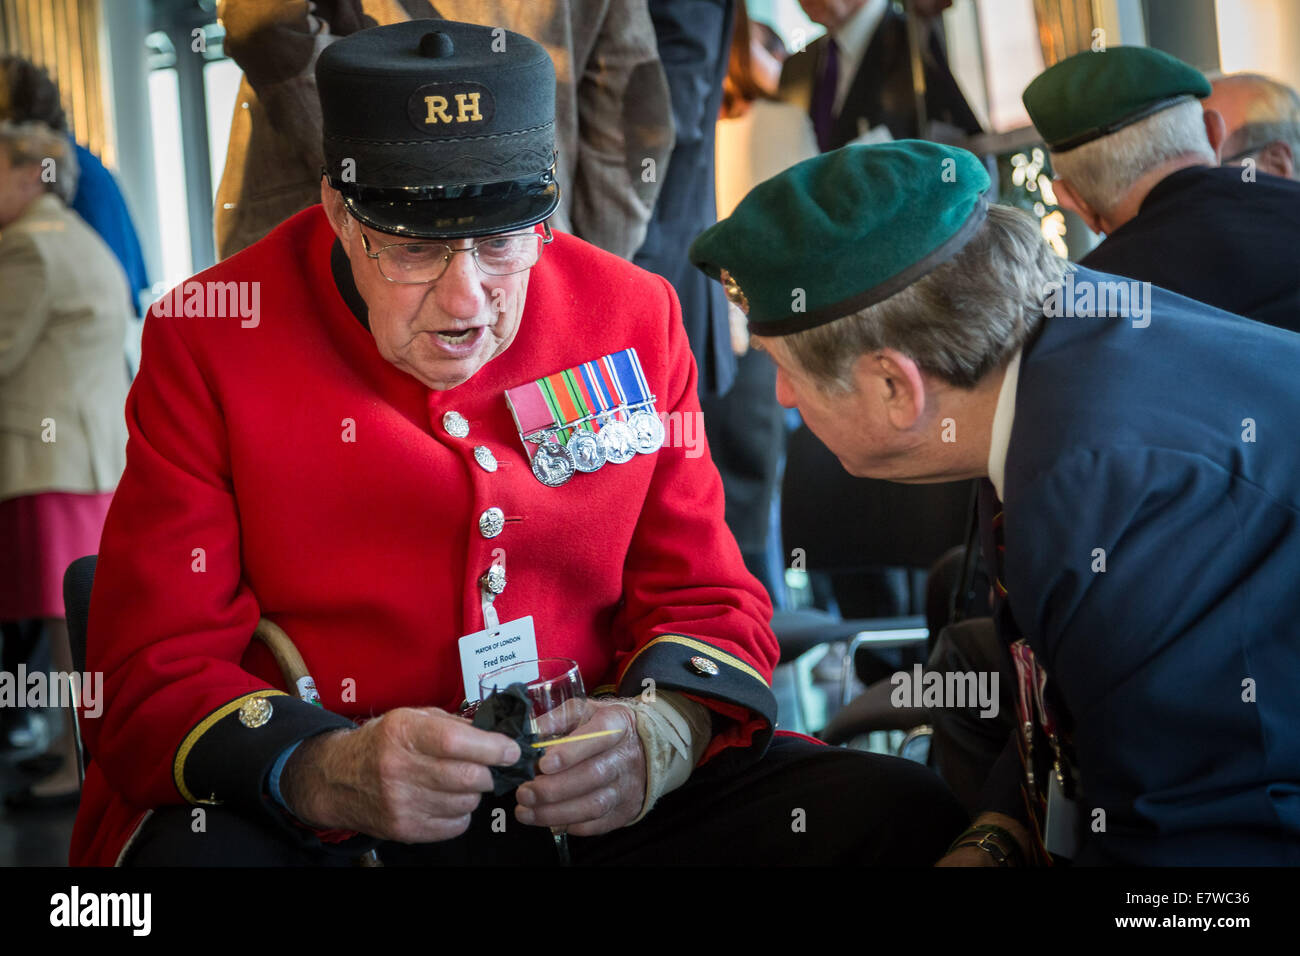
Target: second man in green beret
1138,159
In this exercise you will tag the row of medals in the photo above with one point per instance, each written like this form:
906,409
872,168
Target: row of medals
617,441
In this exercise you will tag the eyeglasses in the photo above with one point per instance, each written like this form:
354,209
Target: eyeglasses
419,263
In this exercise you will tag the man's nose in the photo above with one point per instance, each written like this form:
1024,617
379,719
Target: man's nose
459,290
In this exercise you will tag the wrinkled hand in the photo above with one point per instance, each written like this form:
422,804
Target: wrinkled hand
414,775
590,786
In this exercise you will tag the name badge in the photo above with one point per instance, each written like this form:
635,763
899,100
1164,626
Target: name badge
1061,833
508,643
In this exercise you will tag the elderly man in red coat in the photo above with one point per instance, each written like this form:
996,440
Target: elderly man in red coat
382,428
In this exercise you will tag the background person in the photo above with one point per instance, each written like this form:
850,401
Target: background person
63,320
611,109
757,137
27,93
856,81
694,41
1137,158
1261,120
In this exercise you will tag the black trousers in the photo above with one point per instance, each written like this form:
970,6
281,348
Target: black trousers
801,804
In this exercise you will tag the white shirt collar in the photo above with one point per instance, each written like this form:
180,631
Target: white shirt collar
1003,417
852,40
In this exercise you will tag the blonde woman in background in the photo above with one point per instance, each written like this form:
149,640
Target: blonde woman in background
757,135
63,382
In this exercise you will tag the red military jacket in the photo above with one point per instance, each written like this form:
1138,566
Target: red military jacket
285,469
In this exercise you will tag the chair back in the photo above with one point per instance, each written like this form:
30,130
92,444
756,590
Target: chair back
77,582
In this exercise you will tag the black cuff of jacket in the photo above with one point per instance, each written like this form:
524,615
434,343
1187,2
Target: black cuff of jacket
225,760
692,666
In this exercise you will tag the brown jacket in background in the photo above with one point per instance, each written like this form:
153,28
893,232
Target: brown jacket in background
63,320
611,113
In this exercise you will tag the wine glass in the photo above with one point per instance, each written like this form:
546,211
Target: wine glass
556,705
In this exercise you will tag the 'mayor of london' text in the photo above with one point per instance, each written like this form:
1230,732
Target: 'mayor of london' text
102,909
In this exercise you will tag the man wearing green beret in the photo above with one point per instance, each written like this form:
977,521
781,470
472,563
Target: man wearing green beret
1138,159
1139,508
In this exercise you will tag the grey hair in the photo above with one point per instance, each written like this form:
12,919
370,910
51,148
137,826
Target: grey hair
959,322
1104,170
1272,115
32,143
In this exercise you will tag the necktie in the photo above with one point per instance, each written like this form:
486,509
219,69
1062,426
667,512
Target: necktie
823,101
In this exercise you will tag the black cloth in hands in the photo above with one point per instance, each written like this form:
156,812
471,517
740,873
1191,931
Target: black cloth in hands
506,712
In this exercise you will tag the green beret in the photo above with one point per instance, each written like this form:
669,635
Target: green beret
842,231
1090,95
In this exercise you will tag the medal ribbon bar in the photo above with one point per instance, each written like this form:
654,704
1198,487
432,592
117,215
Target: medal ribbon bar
590,396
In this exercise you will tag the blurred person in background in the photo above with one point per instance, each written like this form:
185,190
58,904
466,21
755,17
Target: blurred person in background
1262,122
611,107
757,137
856,81
27,93
694,38
1137,157
63,386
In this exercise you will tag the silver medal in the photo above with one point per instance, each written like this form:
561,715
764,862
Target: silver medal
588,451
620,441
553,464
648,432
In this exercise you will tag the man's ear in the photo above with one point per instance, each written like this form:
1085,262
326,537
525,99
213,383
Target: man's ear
335,211
895,380
1216,130
1278,159
1067,198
